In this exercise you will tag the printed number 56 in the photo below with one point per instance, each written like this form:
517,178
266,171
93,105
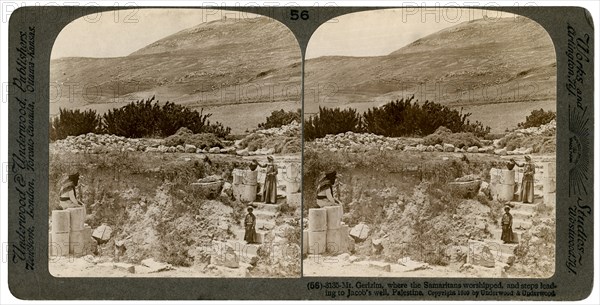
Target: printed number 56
297,14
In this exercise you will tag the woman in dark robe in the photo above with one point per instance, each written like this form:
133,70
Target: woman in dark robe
507,220
270,186
527,182
68,194
250,226
325,195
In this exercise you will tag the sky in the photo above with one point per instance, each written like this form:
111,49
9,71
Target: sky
371,33
380,32
119,33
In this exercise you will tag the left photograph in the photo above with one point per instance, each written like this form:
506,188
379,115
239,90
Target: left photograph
175,146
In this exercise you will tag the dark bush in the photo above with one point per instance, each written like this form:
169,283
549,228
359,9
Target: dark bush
281,117
537,118
74,123
148,118
332,121
408,118
217,129
395,119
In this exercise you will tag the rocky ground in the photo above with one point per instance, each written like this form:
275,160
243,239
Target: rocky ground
173,208
224,257
102,143
442,229
361,142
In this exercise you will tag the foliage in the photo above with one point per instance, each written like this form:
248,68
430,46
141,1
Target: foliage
148,118
403,117
74,123
332,121
135,120
217,128
537,118
281,117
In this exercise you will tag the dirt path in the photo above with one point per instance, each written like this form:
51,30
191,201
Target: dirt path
338,266
104,267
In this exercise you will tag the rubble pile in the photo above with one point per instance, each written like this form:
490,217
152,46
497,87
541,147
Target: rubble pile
544,129
292,129
284,139
363,142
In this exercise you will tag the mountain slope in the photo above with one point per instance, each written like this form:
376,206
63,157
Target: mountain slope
473,63
223,62
242,69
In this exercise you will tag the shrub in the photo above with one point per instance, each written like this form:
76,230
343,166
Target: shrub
149,118
217,129
281,117
397,118
537,118
332,121
405,118
74,123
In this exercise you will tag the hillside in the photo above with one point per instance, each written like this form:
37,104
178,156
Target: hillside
241,70
479,65
224,62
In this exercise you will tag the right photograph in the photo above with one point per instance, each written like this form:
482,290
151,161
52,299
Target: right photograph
429,146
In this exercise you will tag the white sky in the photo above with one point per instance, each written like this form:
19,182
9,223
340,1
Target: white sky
371,33
381,32
119,33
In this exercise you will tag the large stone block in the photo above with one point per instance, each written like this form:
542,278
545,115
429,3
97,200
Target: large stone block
102,233
60,244
334,216
360,232
61,221
77,218
317,219
317,242
334,241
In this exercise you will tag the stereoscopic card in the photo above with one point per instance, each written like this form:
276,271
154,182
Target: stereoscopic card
291,153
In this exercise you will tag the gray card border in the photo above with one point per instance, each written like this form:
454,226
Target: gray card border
574,123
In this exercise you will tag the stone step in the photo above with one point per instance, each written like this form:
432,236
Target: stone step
521,215
264,215
525,207
261,206
517,234
522,224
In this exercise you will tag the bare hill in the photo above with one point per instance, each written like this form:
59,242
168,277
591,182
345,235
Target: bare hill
473,64
224,62
242,69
